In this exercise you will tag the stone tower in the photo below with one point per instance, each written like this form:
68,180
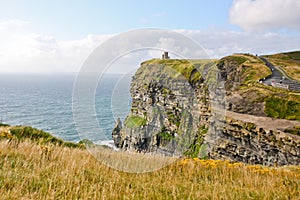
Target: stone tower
165,55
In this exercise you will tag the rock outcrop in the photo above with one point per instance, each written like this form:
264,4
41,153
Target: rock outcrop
180,108
255,142
116,132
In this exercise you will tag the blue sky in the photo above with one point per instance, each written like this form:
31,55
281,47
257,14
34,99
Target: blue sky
57,36
75,19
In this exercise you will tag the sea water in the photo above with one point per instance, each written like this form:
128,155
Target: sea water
45,102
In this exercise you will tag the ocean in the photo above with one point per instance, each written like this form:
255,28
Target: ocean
45,102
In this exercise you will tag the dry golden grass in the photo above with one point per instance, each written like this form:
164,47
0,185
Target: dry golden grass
131,161
30,171
254,71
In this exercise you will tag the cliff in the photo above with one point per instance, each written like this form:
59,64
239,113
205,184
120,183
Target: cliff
169,105
211,109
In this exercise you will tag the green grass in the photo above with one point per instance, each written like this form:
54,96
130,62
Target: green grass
295,130
282,108
165,135
172,68
197,147
294,55
21,133
4,125
173,118
133,121
238,59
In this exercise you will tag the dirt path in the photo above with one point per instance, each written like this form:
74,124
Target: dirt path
264,122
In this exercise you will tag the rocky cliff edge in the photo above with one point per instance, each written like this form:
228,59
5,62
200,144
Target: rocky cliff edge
211,109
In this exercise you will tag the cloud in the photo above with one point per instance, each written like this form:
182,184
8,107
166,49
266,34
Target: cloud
22,49
219,43
265,14
26,51
12,23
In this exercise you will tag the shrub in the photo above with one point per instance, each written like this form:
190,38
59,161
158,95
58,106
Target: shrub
165,135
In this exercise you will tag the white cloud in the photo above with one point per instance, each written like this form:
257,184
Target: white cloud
265,14
12,23
25,51
218,43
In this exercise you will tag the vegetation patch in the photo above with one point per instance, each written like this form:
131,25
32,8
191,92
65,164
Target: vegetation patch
174,119
4,125
295,130
21,133
86,143
294,55
195,77
171,68
238,59
282,108
197,148
165,136
133,121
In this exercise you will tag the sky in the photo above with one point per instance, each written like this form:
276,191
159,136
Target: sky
58,36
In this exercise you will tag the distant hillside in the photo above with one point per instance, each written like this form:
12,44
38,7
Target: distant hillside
289,62
293,55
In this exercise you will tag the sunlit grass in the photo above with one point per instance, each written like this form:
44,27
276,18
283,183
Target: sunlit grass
32,171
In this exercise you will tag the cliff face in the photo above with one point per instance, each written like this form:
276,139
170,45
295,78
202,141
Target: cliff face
178,108
169,105
234,76
256,143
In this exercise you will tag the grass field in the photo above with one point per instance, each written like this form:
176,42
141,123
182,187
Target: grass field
32,171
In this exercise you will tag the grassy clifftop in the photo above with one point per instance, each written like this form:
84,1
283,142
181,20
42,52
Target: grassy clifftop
189,70
248,68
